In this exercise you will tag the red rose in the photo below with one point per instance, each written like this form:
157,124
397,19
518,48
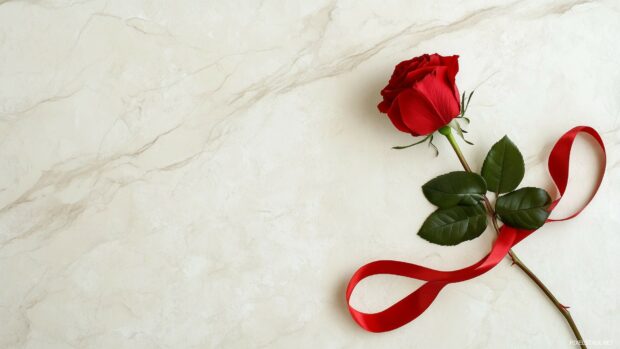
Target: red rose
421,95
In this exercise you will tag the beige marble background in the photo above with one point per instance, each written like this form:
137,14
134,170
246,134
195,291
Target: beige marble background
208,174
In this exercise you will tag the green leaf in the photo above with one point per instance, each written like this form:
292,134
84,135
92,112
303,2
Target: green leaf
451,226
503,168
455,188
525,208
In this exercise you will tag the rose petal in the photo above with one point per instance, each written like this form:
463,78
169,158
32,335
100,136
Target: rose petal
383,106
395,116
452,64
435,60
438,89
416,75
418,113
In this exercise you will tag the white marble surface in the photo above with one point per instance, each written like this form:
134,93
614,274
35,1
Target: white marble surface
208,174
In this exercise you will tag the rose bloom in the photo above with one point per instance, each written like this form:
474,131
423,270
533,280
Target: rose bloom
421,95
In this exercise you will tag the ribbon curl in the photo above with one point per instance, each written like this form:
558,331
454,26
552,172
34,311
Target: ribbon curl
410,307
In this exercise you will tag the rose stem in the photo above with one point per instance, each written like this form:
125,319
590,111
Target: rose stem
446,131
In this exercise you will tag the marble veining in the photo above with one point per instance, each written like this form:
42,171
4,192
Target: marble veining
208,174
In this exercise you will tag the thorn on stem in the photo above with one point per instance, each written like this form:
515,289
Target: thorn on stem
512,259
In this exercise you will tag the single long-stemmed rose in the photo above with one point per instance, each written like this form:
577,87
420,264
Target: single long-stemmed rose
421,98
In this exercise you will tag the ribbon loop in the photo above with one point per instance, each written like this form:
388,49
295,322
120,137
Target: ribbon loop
559,161
413,305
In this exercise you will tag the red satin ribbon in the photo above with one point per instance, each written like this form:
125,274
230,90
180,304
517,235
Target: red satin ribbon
410,307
